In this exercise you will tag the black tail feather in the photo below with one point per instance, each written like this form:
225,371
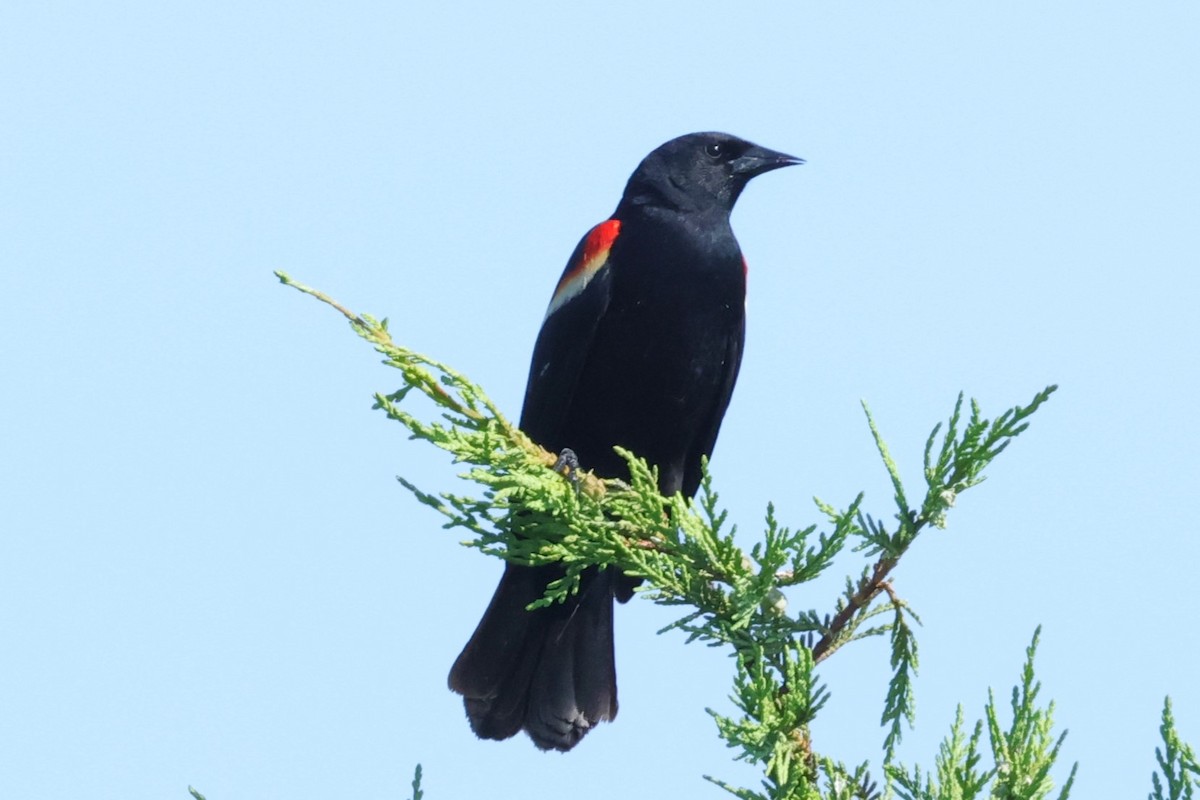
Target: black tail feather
550,671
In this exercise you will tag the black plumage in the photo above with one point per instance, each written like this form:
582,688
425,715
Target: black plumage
640,348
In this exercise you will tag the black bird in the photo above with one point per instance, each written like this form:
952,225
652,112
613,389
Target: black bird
640,347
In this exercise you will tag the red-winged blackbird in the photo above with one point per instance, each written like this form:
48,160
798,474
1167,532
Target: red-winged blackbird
640,348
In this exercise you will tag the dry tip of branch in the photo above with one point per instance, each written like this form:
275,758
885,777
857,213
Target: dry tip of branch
286,280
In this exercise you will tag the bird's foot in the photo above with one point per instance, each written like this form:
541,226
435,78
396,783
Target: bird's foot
567,465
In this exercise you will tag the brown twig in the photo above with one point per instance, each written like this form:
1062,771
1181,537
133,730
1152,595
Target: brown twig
868,589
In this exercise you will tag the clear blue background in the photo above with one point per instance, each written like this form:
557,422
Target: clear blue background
207,572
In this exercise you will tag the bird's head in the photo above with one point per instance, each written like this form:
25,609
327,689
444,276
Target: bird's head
700,171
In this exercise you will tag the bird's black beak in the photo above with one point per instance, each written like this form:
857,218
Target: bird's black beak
758,160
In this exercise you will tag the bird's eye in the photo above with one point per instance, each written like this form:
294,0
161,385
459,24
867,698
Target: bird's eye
714,150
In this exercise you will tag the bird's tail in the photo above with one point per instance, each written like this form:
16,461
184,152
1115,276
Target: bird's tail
549,671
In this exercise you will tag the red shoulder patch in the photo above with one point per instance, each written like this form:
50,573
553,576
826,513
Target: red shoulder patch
596,246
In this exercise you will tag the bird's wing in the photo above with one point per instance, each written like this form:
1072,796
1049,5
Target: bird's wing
562,347
706,433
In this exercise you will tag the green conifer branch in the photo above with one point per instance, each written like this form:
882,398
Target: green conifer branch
1179,770
418,793
1022,754
524,511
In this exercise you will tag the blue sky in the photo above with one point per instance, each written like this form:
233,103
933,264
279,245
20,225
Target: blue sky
207,572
